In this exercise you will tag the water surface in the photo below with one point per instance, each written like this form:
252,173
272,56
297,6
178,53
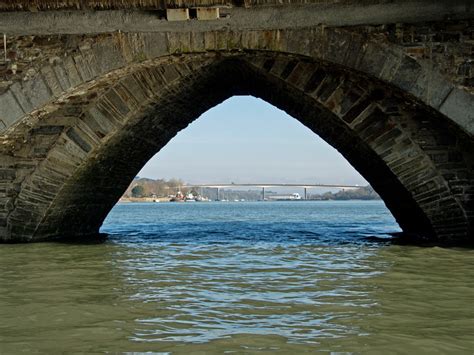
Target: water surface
238,278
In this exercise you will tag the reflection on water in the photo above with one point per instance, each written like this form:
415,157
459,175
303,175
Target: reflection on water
243,277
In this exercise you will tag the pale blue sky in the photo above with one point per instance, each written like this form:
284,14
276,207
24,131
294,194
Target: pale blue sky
247,140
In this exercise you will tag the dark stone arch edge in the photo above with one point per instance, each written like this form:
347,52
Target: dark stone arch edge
443,127
347,48
223,89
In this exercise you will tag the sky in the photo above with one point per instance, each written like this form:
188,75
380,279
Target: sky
247,140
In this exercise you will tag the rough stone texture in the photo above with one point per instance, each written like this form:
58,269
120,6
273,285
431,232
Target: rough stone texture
46,5
460,105
80,115
207,14
256,17
10,109
177,14
447,45
83,60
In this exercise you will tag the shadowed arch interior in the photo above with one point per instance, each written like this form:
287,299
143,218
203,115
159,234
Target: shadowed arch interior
398,145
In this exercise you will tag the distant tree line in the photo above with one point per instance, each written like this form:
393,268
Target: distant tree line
225,194
363,193
143,187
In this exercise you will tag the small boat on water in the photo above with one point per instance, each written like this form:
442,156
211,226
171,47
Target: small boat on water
293,197
199,198
190,198
179,197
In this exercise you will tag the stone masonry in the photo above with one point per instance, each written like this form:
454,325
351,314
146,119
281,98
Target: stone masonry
81,113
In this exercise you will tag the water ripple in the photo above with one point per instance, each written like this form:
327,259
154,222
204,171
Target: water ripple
243,278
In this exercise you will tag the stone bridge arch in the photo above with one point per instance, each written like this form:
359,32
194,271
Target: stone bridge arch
78,132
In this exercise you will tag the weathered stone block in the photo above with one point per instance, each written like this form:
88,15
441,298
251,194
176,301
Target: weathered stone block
338,44
459,106
207,13
432,88
83,68
50,78
179,42
107,56
7,174
234,40
98,122
47,130
72,72
93,63
250,40
222,40
10,110
197,41
393,58
177,14
169,73
210,40
37,91
302,43
135,90
407,74
373,59
155,45
78,139
62,76
23,100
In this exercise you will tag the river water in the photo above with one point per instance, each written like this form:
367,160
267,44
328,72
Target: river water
262,277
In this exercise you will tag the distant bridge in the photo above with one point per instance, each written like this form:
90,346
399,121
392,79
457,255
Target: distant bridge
263,186
275,185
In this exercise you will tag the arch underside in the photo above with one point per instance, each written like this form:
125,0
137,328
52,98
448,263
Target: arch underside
76,159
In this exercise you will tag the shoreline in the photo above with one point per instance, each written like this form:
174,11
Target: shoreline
167,199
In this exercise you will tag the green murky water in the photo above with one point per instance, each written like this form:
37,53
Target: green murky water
238,278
